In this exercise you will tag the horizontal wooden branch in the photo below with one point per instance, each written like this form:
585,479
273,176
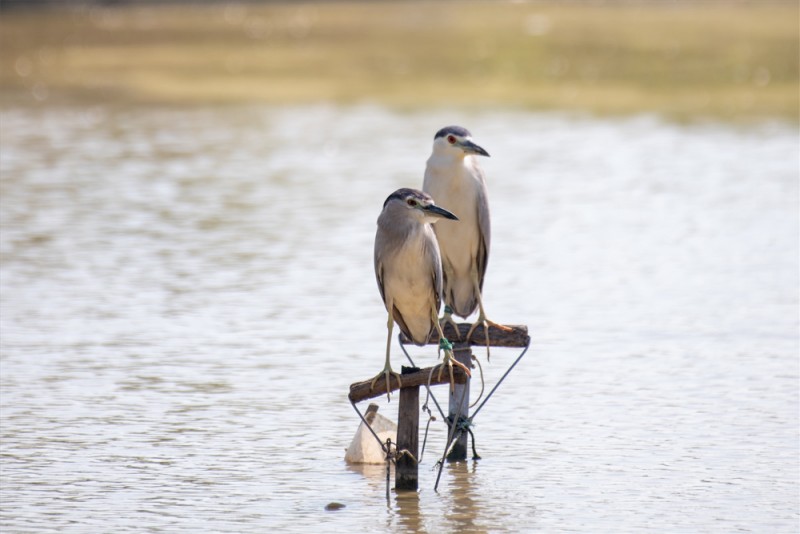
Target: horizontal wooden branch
517,337
418,377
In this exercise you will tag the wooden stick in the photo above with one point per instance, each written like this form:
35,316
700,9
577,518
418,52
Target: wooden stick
362,391
406,471
517,337
463,353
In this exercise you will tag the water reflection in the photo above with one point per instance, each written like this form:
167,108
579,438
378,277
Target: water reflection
409,515
374,475
466,511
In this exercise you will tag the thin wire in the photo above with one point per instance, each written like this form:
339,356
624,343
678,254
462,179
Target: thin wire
388,469
489,396
391,458
455,429
353,404
403,347
480,368
451,436
427,427
428,384
475,455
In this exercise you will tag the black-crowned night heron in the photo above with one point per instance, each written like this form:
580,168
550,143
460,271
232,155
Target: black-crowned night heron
409,271
455,179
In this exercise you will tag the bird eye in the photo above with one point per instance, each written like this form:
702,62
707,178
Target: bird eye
451,139
411,202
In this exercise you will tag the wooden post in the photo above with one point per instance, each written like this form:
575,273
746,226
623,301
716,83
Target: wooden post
406,470
406,473
462,353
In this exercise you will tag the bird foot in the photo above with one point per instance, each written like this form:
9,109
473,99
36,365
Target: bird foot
486,324
446,319
387,373
449,362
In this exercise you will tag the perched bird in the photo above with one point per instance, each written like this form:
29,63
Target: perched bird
408,269
454,177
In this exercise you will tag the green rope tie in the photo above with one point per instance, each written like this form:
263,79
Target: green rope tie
463,423
444,344
448,310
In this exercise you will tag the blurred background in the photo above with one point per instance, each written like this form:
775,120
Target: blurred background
188,196
735,60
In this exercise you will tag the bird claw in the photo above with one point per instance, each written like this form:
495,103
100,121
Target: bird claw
388,374
486,324
446,319
449,362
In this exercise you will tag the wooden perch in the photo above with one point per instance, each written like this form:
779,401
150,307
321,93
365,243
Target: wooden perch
361,390
517,337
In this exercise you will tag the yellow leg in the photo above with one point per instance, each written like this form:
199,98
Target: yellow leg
448,318
482,319
448,312
387,367
449,360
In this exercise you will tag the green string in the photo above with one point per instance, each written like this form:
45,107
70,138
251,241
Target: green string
448,309
463,423
444,344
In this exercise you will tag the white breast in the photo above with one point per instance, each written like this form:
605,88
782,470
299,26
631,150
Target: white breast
407,277
455,189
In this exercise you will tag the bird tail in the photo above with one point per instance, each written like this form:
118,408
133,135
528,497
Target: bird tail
462,298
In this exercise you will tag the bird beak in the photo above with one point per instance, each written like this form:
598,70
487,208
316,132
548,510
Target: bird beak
471,148
436,211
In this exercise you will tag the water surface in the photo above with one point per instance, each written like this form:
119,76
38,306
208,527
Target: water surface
188,293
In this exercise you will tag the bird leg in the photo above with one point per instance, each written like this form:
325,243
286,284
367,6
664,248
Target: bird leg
482,319
448,318
448,311
387,367
449,360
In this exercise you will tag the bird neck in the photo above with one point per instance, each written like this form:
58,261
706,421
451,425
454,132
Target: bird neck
447,159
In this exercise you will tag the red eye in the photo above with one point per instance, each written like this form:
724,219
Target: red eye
451,139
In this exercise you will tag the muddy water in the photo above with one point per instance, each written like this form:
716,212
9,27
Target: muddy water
187,294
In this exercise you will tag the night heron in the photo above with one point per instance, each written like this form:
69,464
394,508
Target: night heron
408,269
454,177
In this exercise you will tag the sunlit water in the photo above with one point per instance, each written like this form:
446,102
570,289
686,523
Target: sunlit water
187,295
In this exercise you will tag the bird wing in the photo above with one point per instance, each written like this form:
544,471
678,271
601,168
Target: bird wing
432,252
379,274
398,318
396,315
485,227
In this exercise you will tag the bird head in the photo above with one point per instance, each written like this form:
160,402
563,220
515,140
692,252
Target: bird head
420,205
456,142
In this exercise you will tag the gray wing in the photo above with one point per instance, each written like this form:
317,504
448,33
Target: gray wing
434,258
485,230
380,240
378,261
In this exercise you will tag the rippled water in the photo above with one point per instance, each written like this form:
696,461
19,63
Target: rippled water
187,295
